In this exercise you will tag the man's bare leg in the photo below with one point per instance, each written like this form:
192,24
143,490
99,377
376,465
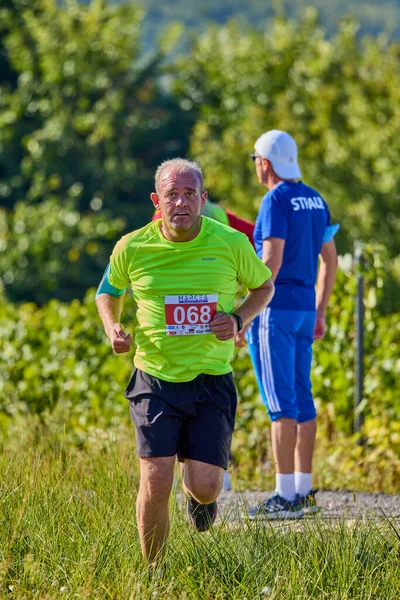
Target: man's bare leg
306,433
152,511
202,481
283,432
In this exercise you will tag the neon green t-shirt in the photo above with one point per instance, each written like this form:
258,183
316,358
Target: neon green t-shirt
178,286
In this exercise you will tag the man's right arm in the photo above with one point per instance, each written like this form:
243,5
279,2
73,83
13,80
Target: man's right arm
325,282
110,308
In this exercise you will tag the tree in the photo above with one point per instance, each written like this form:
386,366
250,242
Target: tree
86,124
52,251
338,98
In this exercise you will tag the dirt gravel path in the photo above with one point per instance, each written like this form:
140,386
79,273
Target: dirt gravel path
334,505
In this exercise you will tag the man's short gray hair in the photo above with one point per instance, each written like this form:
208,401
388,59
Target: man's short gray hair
182,165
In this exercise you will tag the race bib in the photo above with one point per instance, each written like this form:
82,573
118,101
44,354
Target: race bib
189,314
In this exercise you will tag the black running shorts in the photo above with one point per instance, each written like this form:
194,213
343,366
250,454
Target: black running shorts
192,420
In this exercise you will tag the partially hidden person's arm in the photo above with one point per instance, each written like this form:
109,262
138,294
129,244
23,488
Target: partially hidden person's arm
246,227
109,305
273,254
326,279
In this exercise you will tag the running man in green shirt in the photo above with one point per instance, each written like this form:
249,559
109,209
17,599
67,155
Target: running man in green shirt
183,271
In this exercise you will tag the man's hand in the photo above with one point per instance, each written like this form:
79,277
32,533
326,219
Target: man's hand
224,326
319,329
240,337
120,342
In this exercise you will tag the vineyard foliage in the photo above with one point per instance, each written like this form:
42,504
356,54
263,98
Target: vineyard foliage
55,360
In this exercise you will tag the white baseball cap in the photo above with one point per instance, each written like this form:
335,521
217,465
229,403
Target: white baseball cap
281,150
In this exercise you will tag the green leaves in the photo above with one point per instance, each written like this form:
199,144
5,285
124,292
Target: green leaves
338,97
56,359
58,356
55,251
82,130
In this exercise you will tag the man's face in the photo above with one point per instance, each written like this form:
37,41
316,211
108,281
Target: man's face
258,160
180,199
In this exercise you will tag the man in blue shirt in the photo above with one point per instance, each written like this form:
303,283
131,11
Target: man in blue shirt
293,233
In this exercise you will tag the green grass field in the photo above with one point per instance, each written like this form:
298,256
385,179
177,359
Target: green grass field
67,530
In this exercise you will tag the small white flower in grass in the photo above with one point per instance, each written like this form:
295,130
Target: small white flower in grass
63,588
266,591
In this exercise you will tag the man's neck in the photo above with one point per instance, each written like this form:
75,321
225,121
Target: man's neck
274,181
180,235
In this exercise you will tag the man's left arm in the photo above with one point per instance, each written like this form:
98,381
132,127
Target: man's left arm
325,282
225,325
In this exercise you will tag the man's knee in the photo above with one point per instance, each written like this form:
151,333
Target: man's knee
204,493
203,482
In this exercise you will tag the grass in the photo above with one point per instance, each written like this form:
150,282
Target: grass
67,530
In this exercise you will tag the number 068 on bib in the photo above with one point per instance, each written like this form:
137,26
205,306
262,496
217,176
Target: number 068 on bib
189,314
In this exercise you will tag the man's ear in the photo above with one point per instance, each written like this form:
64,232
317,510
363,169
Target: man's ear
204,197
266,164
155,198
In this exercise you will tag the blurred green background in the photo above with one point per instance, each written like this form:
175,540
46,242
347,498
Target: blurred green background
94,95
